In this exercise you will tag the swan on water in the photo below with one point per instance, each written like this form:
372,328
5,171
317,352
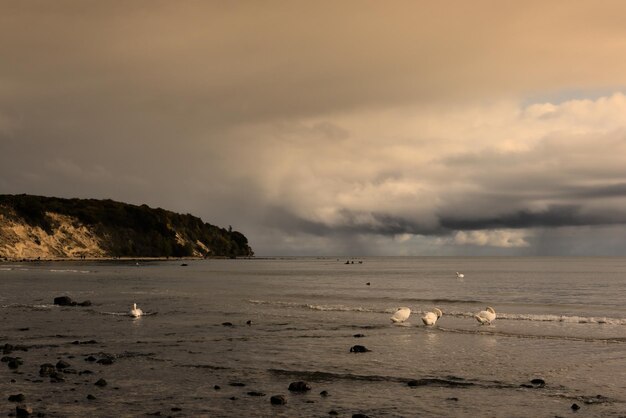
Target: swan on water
401,315
459,275
431,317
136,312
487,316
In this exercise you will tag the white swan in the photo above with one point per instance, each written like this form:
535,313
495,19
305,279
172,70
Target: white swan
431,317
401,315
135,312
459,275
487,316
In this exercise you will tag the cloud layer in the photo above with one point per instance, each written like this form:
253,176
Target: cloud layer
329,128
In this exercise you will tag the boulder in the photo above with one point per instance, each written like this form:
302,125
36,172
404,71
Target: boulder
17,398
299,386
46,369
358,349
277,400
64,301
575,407
23,411
101,383
62,365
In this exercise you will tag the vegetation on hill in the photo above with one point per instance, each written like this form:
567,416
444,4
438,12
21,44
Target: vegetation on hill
125,230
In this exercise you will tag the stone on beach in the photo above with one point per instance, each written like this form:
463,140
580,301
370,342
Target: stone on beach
358,349
277,400
101,383
46,369
62,365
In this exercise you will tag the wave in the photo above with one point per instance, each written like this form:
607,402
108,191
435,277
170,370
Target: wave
573,319
491,332
36,307
69,271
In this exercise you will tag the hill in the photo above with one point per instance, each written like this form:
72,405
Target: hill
50,227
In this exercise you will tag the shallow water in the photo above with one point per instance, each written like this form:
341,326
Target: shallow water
559,319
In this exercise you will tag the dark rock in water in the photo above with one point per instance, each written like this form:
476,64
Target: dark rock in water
527,385
14,363
333,412
253,393
324,393
90,358
359,416
538,382
23,411
277,400
17,398
64,301
84,303
23,329
176,409
233,398
575,407
69,371
184,265
46,369
368,283
56,377
217,387
299,386
227,324
106,361
156,414
85,372
91,397
6,359
102,383
452,399
359,335
85,342
358,349
237,384
62,365
248,322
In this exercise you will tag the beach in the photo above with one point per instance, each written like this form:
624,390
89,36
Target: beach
220,338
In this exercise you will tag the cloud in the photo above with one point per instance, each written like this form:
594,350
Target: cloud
405,129
495,238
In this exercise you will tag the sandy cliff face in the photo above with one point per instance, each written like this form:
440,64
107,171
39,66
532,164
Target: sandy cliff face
68,238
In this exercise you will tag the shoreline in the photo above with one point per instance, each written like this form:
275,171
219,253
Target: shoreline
99,259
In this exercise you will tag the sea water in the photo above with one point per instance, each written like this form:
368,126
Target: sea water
562,320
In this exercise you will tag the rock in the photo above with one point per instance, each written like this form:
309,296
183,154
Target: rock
358,349
62,365
254,393
575,407
23,411
91,397
56,377
84,303
217,387
46,369
101,383
85,372
237,384
277,400
227,324
14,363
538,382
106,361
17,398
359,416
176,409
324,393
333,412
90,358
64,301
249,322
299,386
359,335
452,399
233,398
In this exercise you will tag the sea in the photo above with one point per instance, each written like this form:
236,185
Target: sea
221,337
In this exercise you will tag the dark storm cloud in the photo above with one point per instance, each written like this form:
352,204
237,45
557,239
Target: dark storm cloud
322,126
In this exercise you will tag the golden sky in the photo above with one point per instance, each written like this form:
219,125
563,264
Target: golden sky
343,127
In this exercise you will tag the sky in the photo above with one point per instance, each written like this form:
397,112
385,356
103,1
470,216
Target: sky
347,128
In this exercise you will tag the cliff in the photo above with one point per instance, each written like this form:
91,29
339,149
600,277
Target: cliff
50,227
